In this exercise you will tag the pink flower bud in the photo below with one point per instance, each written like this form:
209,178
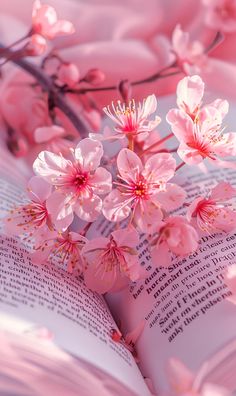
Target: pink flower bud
36,46
68,74
94,77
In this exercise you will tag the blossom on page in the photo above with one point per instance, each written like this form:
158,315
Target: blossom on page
63,250
78,182
32,217
112,262
175,235
184,383
132,119
142,190
220,14
46,23
199,129
213,213
189,55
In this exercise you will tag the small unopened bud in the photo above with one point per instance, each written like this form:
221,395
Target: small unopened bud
68,74
36,46
94,77
125,90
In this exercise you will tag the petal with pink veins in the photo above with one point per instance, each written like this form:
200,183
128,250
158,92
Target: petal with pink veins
116,207
171,198
181,125
38,189
89,153
60,210
190,92
129,164
49,165
159,168
101,181
147,216
223,191
88,209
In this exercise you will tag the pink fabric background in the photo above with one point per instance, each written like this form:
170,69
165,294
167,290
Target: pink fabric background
128,39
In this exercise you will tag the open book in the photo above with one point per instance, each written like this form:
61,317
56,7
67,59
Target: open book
55,333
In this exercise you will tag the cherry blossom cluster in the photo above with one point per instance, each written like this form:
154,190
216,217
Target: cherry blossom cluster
134,190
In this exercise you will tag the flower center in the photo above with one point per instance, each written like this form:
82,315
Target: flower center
80,180
140,189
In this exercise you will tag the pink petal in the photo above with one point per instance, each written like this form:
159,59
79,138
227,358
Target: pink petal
115,206
88,209
210,120
38,189
150,105
193,206
221,105
190,92
59,28
227,145
180,377
189,155
126,237
89,153
159,168
60,210
44,134
129,164
172,198
49,165
147,216
224,220
161,256
214,390
106,282
223,191
181,125
101,181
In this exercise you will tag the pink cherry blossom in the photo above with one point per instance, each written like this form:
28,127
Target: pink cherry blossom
36,45
63,250
199,129
46,23
68,74
189,55
77,181
143,190
31,218
213,213
132,120
220,14
176,235
184,383
112,262
54,138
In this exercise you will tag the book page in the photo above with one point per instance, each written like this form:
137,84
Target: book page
43,295
185,306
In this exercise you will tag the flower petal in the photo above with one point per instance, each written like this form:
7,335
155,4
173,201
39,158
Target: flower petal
171,198
38,189
88,209
129,164
49,165
60,210
115,206
181,125
147,216
89,153
190,92
223,191
101,181
161,256
44,134
159,168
